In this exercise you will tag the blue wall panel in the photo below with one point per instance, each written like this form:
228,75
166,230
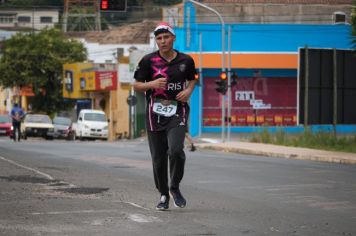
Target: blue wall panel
266,37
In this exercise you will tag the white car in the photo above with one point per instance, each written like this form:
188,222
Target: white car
92,124
37,125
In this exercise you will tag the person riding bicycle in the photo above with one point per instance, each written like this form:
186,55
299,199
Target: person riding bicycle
17,114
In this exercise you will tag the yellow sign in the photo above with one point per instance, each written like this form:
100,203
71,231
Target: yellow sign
73,80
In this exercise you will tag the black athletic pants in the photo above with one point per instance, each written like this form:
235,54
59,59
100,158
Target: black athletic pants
16,128
167,146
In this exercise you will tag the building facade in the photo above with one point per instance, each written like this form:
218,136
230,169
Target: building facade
265,59
35,19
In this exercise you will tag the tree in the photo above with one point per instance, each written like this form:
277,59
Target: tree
36,60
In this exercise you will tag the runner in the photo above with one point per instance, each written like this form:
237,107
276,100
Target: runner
163,75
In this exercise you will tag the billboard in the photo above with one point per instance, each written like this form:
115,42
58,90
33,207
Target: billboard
255,101
330,86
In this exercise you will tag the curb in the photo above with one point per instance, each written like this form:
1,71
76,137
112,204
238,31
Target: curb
293,155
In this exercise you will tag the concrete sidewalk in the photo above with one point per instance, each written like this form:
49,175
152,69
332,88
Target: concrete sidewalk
277,151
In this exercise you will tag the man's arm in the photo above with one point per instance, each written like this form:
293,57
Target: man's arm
154,84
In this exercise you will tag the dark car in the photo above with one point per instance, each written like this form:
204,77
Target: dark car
5,125
63,128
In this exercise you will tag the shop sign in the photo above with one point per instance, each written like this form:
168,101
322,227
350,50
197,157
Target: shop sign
27,91
68,80
125,76
87,81
106,80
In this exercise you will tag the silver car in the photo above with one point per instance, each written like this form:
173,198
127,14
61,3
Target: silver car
63,128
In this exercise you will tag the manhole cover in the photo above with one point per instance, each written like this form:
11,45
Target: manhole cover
83,190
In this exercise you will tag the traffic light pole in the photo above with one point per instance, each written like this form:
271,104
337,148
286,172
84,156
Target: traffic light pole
222,61
201,84
229,85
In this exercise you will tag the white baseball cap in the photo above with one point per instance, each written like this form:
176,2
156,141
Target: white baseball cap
163,27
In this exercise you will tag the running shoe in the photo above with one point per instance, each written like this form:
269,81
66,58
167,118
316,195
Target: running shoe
163,203
178,198
193,148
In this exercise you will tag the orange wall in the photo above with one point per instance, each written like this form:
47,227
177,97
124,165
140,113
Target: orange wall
261,61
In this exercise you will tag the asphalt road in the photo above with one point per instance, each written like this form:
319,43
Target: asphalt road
106,188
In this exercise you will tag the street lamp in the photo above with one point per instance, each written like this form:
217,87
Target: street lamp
222,60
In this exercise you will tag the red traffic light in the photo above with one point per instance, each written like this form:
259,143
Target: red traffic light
104,5
223,76
113,5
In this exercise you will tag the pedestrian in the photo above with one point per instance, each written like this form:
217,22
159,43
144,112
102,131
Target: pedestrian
16,114
167,78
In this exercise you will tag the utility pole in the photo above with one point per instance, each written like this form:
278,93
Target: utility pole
77,15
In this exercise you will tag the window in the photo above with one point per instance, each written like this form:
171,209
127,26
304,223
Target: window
24,19
46,19
339,17
7,17
94,117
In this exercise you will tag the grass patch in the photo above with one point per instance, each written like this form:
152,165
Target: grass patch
308,139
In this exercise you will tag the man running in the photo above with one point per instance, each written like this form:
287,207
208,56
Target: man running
167,77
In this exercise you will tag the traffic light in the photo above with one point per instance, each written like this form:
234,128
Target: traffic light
222,88
196,79
113,5
223,76
233,79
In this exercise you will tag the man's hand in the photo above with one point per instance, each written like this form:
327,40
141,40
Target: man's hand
184,95
160,83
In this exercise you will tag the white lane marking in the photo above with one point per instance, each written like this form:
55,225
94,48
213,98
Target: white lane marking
209,140
72,212
27,168
136,205
143,219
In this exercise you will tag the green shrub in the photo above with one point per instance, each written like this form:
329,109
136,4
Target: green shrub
318,140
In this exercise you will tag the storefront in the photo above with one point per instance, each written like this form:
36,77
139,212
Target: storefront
97,87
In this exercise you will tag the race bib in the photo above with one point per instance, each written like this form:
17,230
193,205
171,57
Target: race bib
165,108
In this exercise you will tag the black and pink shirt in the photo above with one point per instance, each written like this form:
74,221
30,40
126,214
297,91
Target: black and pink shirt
180,70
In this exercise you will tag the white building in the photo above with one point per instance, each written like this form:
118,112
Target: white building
36,19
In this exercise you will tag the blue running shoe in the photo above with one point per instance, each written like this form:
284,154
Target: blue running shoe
179,200
163,203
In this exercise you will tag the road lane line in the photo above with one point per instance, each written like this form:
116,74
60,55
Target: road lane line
136,205
210,140
27,168
143,218
72,212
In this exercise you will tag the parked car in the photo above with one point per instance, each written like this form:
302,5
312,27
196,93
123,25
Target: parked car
37,125
5,126
91,124
63,128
